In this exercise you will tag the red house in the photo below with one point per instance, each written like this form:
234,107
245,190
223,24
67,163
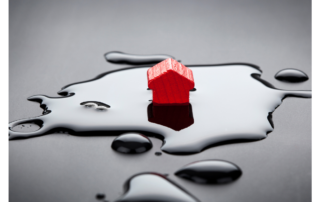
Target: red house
170,82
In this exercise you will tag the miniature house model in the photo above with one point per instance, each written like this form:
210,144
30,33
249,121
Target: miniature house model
170,82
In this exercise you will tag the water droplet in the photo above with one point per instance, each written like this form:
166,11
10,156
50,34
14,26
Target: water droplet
210,172
291,75
232,104
154,187
90,105
125,58
101,108
158,153
131,143
94,104
100,196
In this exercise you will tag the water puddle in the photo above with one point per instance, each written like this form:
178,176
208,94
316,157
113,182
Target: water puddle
210,172
291,75
131,143
231,104
132,59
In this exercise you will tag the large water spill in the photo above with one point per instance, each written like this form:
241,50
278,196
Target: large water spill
231,104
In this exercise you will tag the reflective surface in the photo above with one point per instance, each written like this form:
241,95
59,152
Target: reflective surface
231,104
291,75
154,187
131,143
210,172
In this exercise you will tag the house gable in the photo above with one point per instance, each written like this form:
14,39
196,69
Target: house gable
167,65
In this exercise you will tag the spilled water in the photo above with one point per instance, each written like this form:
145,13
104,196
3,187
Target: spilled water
131,143
131,59
231,104
154,187
210,172
291,75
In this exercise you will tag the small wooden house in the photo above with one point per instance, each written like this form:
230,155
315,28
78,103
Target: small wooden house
170,82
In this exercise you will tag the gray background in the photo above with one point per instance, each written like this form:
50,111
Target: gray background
54,43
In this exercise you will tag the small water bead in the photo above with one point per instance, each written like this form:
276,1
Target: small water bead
210,172
90,105
291,75
94,104
101,108
100,196
131,143
154,187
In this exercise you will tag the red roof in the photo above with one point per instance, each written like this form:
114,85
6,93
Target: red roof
171,82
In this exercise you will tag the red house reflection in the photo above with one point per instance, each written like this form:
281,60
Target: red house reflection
176,117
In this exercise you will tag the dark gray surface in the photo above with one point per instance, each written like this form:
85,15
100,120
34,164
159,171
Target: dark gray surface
54,43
